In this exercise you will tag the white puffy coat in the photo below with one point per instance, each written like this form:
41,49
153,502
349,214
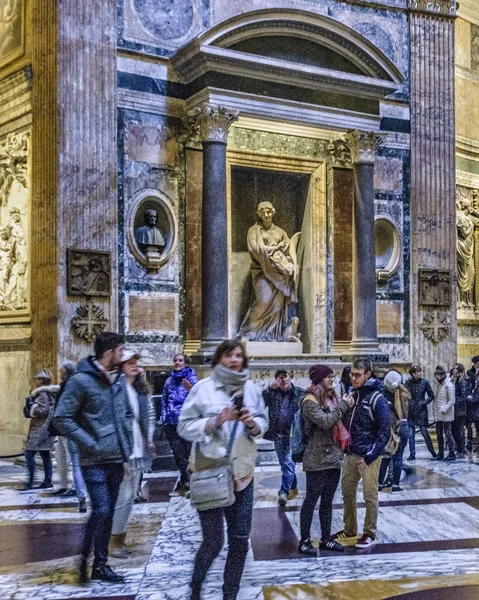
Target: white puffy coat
444,401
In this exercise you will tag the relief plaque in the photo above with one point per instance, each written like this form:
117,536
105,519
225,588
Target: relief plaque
88,273
434,287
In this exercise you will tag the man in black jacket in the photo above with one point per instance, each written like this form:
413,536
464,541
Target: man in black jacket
421,396
472,417
463,391
281,398
94,412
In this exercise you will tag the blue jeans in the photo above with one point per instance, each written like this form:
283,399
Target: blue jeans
288,468
103,483
238,518
47,466
396,458
425,435
78,480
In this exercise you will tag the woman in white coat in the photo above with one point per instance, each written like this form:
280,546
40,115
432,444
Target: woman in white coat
445,397
207,419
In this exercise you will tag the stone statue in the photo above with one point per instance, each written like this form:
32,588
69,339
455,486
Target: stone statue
465,253
149,235
274,271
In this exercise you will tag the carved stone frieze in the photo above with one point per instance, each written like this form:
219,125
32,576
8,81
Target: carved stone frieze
445,7
434,287
211,123
89,322
88,273
435,326
363,145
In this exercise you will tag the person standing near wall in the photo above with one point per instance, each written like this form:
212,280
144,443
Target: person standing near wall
462,385
281,399
421,395
177,387
445,398
39,439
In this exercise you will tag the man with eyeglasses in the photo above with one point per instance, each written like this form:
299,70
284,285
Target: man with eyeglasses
281,398
369,425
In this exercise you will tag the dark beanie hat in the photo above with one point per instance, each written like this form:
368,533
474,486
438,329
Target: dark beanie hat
318,372
475,359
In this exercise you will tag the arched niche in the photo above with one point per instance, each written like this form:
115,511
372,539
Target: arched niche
388,247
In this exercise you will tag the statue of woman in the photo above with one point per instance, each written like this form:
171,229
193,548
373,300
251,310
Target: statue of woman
465,254
273,272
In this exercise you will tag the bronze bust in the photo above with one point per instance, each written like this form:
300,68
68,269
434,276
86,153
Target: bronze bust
149,237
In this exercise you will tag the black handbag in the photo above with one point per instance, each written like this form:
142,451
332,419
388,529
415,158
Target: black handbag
28,407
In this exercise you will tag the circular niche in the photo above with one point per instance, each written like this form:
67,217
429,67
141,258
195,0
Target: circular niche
388,248
142,202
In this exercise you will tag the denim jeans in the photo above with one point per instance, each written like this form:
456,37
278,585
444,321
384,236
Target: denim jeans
238,518
181,451
78,481
425,435
288,468
103,483
47,466
458,432
397,458
319,484
126,496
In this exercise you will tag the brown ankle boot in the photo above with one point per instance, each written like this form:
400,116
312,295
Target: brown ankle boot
117,547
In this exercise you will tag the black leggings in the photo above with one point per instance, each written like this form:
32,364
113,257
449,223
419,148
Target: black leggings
319,484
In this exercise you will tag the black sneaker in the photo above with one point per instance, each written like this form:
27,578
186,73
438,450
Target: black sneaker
331,545
44,486
411,457
59,492
396,489
450,457
306,547
438,457
106,573
25,487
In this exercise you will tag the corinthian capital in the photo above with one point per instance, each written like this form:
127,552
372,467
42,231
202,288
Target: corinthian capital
364,145
445,7
213,122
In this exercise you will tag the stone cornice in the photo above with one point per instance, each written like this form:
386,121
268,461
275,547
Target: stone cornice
469,10
15,97
434,7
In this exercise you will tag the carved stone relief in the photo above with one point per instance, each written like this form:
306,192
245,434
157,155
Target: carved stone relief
435,326
11,30
434,287
13,224
88,273
89,322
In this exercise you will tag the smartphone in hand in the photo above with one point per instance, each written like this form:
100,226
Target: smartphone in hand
238,402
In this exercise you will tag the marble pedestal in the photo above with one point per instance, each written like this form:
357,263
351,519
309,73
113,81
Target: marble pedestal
274,349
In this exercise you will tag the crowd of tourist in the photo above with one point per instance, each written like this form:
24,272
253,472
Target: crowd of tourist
103,420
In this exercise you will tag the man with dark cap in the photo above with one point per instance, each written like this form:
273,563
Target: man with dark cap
369,425
281,398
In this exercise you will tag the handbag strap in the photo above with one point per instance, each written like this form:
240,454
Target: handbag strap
231,440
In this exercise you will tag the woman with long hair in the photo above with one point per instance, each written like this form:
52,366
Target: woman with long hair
143,424
322,411
208,420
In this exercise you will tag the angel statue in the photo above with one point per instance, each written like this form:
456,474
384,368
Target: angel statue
274,274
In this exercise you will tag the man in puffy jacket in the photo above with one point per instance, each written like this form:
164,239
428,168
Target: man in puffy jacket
281,398
369,425
177,387
95,413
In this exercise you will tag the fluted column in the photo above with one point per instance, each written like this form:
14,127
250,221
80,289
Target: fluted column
213,124
365,334
433,228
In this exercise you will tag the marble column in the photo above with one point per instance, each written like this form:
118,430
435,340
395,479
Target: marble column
365,336
214,123
433,210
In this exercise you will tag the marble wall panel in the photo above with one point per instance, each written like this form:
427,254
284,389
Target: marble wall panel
474,47
15,381
388,174
467,112
194,190
463,43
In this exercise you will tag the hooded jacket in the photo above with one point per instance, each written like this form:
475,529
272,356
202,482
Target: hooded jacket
174,394
96,415
41,413
444,401
368,422
282,406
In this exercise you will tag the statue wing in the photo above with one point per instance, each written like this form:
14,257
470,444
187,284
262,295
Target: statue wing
293,252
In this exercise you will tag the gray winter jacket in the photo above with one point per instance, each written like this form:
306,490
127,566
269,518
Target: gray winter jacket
321,451
41,414
96,415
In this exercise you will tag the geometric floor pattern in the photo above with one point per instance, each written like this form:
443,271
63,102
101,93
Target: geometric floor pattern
428,543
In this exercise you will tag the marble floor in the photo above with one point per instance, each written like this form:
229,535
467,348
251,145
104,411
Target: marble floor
428,543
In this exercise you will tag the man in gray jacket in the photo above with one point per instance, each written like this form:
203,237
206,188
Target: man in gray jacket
94,412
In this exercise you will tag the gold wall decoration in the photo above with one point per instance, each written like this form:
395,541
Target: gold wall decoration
14,238
12,30
89,322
